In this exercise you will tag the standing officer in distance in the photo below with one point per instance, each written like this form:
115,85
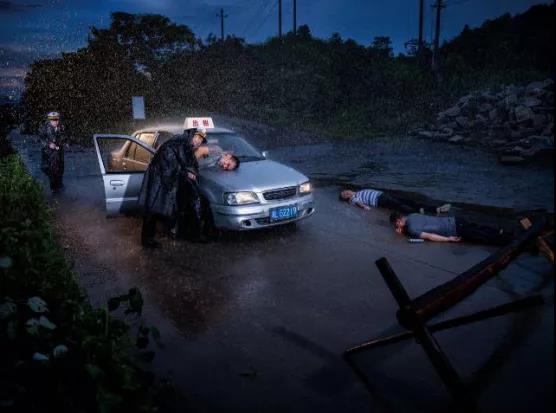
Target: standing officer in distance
52,153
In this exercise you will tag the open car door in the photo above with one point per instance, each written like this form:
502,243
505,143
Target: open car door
123,161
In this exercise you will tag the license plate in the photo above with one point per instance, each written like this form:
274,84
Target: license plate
282,213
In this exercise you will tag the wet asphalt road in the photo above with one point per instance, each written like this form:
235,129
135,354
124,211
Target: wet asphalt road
258,321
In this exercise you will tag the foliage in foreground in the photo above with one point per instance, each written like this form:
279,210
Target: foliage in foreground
56,352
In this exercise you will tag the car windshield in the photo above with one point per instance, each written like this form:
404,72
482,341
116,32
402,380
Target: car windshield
229,142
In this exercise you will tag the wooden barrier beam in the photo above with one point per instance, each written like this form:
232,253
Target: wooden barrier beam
544,248
424,336
450,293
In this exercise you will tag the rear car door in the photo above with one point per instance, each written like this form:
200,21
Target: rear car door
123,161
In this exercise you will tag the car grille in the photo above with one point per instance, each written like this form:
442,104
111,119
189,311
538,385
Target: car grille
282,193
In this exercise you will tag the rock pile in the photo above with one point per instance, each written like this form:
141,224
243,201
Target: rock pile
515,121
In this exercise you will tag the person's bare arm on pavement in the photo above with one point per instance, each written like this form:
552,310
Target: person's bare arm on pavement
438,238
362,205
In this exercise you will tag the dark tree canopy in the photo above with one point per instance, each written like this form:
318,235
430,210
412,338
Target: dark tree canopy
144,38
524,41
299,80
381,46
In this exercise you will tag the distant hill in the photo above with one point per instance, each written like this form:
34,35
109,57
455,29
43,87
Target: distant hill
521,42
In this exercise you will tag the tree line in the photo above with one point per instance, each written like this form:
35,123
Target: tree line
330,85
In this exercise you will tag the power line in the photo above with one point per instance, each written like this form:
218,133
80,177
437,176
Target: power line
267,14
257,14
457,3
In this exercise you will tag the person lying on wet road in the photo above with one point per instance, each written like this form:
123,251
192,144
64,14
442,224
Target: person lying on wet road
447,229
372,198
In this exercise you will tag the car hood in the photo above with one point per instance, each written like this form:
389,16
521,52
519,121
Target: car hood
254,176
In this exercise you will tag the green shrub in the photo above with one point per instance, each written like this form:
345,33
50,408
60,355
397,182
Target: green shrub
56,352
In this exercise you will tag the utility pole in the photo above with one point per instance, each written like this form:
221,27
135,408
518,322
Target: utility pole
420,45
439,6
222,17
280,19
294,17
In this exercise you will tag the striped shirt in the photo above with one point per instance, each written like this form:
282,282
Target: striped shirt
366,197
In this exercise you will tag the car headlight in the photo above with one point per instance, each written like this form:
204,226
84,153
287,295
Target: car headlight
305,188
241,198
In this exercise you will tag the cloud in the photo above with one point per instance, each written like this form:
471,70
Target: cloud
16,55
11,7
20,54
13,72
15,61
11,82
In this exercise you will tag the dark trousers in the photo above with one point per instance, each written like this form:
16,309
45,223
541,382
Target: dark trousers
52,164
405,206
188,220
56,181
149,227
472,232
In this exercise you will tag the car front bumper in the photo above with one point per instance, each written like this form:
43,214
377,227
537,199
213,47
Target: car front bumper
249,217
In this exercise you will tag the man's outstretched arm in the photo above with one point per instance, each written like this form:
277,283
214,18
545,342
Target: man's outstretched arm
438,238
362,205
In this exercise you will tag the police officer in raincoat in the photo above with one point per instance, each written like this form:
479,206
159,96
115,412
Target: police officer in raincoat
170,184
52,153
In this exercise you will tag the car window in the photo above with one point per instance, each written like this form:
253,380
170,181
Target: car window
147,137
130,151
142,155
114,153
137,153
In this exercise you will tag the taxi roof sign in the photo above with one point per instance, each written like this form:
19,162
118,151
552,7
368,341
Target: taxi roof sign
191,123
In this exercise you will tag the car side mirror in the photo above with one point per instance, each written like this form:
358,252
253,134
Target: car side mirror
265,154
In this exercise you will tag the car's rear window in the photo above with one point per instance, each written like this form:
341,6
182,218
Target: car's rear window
147,137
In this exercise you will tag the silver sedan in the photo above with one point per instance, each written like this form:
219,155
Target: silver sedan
259,194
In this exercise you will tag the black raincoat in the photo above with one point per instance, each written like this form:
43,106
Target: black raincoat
163,182
52,160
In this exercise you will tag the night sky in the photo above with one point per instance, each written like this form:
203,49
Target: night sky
39,28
